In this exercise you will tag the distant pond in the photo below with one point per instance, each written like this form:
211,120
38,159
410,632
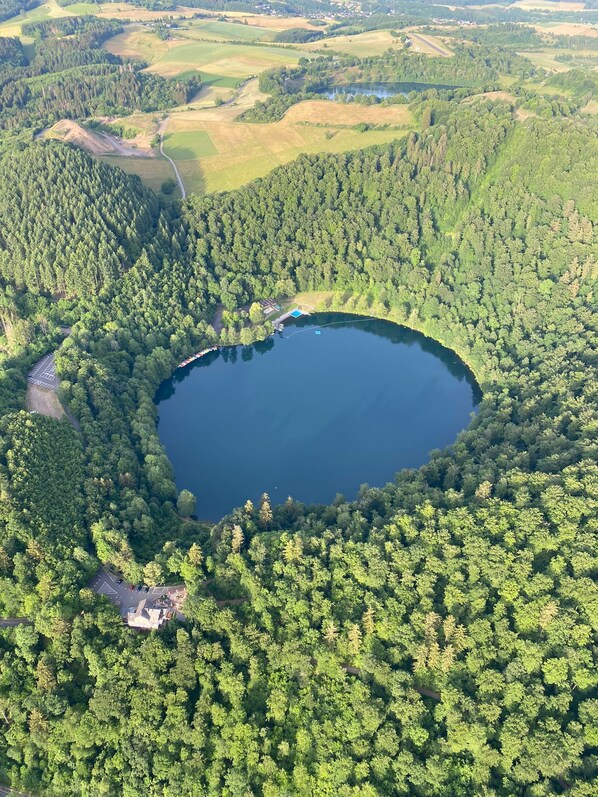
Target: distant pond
330,403
380,90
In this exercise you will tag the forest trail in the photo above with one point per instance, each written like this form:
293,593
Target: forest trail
161,129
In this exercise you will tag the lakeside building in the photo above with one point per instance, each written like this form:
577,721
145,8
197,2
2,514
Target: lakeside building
146,617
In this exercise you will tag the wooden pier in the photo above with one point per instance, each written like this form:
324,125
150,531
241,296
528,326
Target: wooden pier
194,357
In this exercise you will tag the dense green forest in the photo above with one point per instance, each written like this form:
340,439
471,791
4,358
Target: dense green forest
71,76
108,217
434,636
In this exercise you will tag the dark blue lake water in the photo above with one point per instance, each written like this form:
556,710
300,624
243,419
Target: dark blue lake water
380,90
332,402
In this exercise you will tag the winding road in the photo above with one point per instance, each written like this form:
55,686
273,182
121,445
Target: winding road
161,130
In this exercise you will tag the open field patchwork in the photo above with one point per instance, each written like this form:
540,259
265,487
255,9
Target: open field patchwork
225,60
227,31
248,151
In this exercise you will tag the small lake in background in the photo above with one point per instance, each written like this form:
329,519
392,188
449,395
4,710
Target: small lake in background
332,402
380,90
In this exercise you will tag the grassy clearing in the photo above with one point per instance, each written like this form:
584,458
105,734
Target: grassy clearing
153,171
568,29
248,151
373,42
137,43
271,23
227,31
189,145
219,81
222,60
546,60
337,114
125,11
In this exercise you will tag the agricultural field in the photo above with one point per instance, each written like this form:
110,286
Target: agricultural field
220,64
548,5
545,59
363,45
214,29
338,114
376,42
232,61
153,171
568,29
126,11
138,42
213,152
49,10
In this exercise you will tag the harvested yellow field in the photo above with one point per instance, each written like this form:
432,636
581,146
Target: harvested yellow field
272,23
126,11
548,5
569,29
338,114
591,107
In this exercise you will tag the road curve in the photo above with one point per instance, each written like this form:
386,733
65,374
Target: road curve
161,130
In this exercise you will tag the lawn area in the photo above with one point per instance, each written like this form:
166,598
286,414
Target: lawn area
153,171
189,145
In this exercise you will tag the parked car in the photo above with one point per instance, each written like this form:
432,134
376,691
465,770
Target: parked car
147,589
120,581
139,588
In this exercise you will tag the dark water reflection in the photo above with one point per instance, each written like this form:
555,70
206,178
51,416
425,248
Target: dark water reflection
338,401
380,90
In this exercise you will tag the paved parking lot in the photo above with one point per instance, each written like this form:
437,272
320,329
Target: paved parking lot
44,373
106,583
